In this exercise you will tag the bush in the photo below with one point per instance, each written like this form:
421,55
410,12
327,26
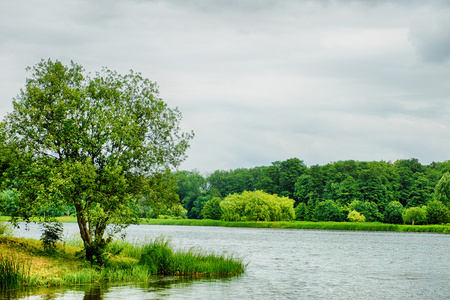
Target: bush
355,216
212,210
52,233
368,209
328,211
414,215
257,206
437,212
301,212
393,213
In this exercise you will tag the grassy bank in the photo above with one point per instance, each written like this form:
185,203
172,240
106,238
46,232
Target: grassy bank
24,262
305,225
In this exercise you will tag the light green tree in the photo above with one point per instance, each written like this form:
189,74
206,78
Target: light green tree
92,143
415,215
257,206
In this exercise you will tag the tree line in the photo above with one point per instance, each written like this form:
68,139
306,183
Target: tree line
402,191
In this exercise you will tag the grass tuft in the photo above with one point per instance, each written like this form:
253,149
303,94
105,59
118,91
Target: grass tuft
14,272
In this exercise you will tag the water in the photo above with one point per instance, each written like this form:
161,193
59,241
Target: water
289,264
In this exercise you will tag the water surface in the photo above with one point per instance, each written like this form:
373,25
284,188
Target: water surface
289,264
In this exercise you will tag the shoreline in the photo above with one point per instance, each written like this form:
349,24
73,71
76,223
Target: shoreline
351,226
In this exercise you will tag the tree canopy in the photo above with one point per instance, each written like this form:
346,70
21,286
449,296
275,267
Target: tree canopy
89,142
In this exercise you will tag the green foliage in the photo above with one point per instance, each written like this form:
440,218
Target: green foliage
90,143
5,229
257,206
442,189
212,209
415,215
355,216
328,211
393,213
51,233
302,212
368,209
437,212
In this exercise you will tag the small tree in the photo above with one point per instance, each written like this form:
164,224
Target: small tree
414,215
301,212
257,206
437,212
212,209
328,211
393,212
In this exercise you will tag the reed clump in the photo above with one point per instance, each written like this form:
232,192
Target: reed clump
14,272
160,259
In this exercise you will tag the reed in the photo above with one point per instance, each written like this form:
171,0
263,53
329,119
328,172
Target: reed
14,272
161,259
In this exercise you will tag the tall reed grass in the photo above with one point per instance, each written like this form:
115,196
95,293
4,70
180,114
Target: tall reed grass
14,272
161,259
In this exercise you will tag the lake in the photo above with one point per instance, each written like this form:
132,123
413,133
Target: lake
288,264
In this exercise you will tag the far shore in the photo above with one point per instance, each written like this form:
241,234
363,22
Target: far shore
353,226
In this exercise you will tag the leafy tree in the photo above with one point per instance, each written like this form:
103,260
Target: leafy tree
328,211
303,189
302,212
414,215
257,206
393,213
289,171
91,143
211,209
421,191
368,209
437,212
442,189
347,191
355,216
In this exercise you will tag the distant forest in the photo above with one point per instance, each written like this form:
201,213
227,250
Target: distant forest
381,191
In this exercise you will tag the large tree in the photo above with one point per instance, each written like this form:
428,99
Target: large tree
90,142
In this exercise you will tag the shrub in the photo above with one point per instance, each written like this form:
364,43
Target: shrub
393,213
328,211
52,233
301,212
437,212
355,216
368,209
212,210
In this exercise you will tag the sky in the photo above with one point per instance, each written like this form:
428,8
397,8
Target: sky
260,81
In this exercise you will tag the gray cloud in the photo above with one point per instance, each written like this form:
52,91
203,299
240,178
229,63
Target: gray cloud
260,81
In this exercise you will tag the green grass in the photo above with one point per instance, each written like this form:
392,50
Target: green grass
306,225
32,266
14,272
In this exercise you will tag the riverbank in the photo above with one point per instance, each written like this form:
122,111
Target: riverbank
305,225
25,263
366,226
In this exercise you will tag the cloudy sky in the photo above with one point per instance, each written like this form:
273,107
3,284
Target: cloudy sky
260,81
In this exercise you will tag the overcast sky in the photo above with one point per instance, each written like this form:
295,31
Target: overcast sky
260,81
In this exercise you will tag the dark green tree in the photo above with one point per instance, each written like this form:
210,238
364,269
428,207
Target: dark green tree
328,211
212,210
393,213
437,212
